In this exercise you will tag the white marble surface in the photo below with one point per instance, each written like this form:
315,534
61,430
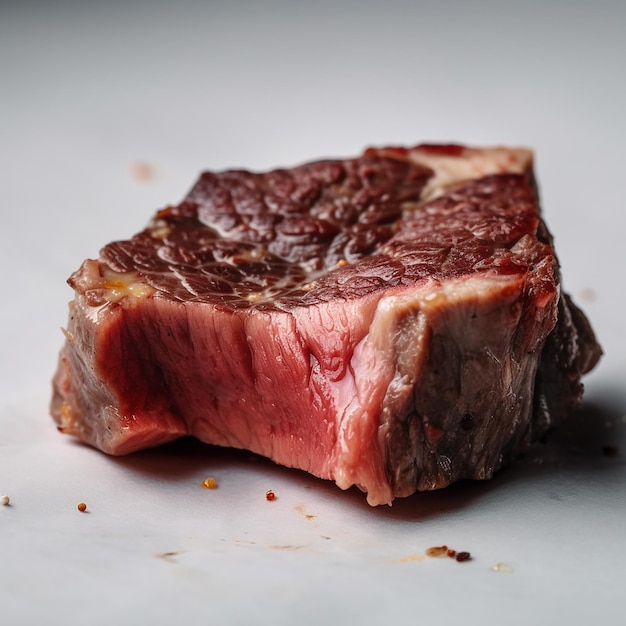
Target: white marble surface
87,91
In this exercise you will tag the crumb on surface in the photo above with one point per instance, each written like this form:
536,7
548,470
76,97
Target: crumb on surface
502,568
587,294
168,556
143,172
437,551
209,483
5,500
270,495
440,551
82,507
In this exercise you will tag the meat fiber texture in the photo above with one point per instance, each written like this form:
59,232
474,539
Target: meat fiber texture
393,321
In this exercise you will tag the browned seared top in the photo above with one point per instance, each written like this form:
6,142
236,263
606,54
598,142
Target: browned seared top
327,230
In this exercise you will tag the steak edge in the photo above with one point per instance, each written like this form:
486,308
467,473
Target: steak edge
393,321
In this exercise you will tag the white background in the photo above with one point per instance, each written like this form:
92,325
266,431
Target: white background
90,89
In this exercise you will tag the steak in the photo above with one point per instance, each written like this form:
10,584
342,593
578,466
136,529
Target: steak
393,321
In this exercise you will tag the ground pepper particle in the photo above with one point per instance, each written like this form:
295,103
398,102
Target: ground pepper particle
463,556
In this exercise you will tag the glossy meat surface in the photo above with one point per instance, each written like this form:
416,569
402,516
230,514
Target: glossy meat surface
392,321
